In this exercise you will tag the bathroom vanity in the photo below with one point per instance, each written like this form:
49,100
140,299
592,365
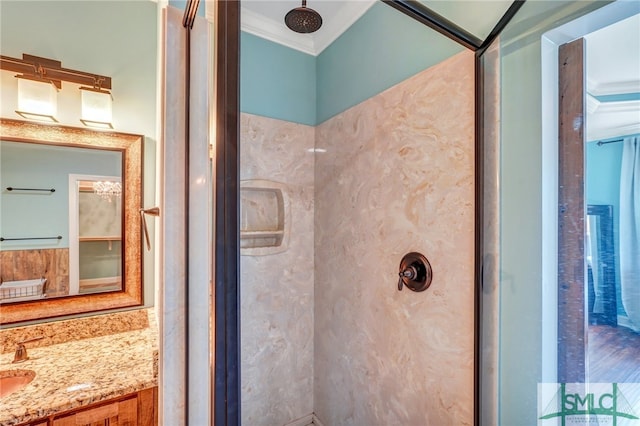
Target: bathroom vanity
84,381
136,409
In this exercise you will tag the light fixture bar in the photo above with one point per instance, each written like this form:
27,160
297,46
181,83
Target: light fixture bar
51,70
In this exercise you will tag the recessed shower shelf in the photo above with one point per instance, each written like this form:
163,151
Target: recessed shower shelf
260,239
261,234
265,217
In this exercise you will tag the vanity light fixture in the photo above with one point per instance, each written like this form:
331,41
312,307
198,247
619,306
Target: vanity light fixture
37,99
38,80
97,110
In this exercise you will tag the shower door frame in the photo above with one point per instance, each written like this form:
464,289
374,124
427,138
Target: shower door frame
226,253
226,259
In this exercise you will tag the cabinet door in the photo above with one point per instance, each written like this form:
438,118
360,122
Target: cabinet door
147,403
121,413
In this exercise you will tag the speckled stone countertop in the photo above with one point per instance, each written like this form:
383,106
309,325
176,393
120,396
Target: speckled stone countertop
80,372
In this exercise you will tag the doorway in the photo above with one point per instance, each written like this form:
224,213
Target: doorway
597,338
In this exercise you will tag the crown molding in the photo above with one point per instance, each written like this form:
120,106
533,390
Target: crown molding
610,119
602,127
312,44
594,106
258,25
597,88
612,132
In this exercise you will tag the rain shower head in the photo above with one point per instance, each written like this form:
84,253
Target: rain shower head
303,20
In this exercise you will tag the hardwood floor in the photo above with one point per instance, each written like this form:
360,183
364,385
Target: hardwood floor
613,355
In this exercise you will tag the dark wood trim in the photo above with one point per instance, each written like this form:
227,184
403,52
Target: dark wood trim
227,235
571,214
145,402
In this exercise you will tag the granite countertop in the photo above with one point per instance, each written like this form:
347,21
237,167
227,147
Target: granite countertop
77,373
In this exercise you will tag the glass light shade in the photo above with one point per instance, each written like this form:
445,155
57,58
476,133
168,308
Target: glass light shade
96,107
37,100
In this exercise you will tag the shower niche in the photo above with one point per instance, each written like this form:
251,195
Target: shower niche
265,217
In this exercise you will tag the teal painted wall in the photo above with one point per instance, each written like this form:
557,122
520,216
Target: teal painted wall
603,181
277,81
381,49
619,98
28,214
603,166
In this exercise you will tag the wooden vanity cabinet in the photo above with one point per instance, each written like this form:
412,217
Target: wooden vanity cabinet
138,409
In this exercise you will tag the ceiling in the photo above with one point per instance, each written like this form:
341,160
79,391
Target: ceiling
613,80
265,18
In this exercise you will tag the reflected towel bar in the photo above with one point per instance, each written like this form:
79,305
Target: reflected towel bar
59,237
9,188
600,143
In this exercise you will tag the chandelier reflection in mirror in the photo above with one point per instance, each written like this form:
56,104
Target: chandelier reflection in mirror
107,190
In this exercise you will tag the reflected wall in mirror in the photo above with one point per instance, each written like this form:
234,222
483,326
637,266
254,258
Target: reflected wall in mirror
74,246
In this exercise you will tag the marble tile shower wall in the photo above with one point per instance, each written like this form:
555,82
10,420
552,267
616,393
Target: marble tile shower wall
324,328
277,290
397,177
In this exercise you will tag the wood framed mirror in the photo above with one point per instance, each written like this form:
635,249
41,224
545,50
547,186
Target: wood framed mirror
129,151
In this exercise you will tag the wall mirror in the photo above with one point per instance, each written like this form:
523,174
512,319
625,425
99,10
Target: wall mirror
601,271
71,235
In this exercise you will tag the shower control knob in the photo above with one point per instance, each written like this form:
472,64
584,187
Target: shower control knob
410,273
415,272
